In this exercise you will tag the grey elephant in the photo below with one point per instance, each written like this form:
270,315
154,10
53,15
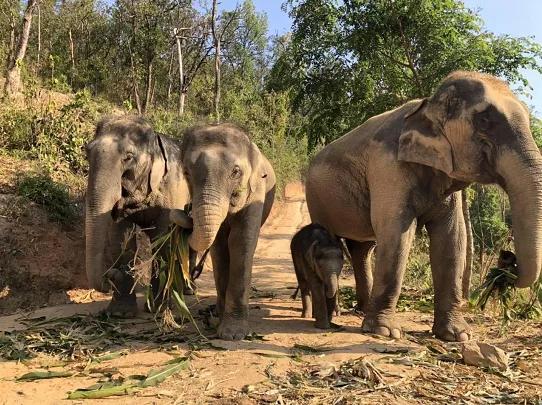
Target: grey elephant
232,186
318,261
135,177
404,168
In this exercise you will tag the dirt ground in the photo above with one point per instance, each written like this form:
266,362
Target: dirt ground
287,361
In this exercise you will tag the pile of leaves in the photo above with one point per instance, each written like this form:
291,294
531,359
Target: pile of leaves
81,337
500,283
173,275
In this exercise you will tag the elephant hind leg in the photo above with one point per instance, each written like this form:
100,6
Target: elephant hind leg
360,252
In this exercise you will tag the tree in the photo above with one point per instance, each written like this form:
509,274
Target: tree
13,84
349,60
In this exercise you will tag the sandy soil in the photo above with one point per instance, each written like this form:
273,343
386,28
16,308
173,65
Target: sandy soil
275,368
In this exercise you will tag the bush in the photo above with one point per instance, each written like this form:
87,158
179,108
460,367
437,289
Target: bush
55,135
52,196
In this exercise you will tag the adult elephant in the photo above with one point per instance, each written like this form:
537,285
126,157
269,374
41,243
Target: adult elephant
403,168
134,173
232,185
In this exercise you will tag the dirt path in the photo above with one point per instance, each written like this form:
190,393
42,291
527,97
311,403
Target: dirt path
290,361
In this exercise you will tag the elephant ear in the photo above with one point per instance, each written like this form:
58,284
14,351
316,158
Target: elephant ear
258,168
159,166
310,256
420,143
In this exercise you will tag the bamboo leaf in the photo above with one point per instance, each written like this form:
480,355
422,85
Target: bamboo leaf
181,305
102,391
43,375
155,377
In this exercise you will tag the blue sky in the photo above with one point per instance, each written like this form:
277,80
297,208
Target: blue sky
512,17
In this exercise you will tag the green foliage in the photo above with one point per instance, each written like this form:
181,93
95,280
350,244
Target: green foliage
418,272
61,134
54,134
349,60
52,196
489,211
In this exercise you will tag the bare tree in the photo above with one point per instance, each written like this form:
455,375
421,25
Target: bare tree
13,83
216,44
182,89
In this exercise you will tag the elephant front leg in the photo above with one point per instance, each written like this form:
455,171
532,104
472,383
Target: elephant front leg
122,247
320,312
448,237
220,255
394,240
242,240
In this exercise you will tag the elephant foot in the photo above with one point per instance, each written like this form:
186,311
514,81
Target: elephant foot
306,313
383,325
452,329
337,311
123,307
322,324
231,328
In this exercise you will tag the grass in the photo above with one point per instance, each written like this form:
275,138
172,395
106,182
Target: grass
52,196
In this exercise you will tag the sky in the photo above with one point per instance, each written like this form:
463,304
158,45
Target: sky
513,17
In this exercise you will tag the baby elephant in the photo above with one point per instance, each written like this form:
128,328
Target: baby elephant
318,261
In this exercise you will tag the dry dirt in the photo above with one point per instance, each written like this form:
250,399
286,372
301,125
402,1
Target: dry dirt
290,361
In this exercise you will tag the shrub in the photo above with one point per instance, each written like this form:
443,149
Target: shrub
52,196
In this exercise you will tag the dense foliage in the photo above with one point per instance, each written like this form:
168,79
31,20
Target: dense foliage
349,60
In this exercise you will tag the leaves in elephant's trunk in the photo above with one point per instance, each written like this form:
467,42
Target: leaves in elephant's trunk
173,274
499,281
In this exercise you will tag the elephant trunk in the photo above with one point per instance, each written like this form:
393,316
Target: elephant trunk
208,212
103,191
332,285
522,174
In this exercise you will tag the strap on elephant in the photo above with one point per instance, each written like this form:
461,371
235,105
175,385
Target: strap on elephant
198,269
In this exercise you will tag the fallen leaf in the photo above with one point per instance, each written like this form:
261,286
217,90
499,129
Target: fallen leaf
43,375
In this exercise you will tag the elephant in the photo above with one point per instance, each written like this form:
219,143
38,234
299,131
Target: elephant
405,168
318,261
232,188
135,178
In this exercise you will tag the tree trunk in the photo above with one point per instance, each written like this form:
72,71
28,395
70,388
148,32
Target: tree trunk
72,56
216,41
148,89
181,74
135,86
170,77
39,35
467,273
13,83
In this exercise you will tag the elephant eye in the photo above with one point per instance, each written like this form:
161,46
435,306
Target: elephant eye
236,172
482,121
128,157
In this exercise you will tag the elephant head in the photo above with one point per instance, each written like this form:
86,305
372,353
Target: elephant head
223,169
327,261
475,130
126,162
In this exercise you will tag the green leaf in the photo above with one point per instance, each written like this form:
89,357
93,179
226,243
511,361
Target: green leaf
155,377
181,305
43,375
102,391
108,356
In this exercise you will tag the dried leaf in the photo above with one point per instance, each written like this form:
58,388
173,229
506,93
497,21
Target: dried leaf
43,375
